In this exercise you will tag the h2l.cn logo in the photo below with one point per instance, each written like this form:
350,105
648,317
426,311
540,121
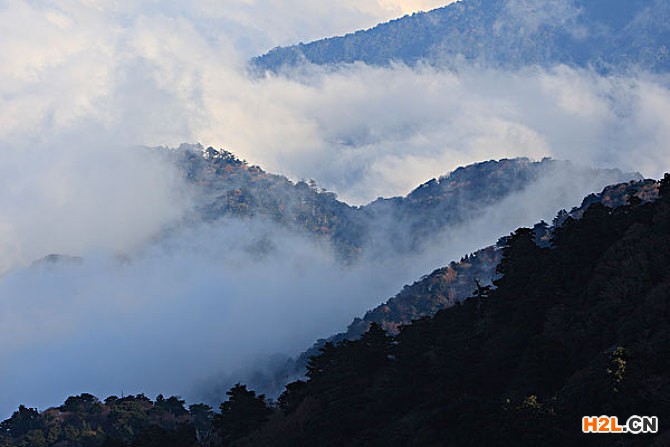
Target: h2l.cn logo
610,424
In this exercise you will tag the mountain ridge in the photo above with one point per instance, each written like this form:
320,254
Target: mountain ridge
604,35
228,186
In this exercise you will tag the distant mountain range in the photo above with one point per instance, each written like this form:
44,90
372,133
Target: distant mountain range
604,34
229,187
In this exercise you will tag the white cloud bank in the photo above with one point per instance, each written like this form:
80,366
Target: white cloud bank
206,302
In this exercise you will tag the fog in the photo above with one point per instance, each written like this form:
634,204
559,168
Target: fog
74,200
441,120
83,83
210,299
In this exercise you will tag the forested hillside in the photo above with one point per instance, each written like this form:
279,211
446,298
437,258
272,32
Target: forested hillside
576,328
603,34
473,274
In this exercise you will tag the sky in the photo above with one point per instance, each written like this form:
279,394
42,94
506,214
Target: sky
84,82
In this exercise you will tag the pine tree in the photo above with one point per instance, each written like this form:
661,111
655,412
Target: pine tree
241,414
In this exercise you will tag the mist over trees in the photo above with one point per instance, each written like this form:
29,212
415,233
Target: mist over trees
226,186
572,328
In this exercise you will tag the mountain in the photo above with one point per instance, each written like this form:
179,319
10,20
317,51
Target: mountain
446,286
579,327
388,240
473,274
466,194
228,187
603,34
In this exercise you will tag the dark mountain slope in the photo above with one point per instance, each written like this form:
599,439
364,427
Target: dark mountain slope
459,280
605,34
577,329
465,194
454,283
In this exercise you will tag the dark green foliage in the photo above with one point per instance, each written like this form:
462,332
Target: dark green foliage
241,414
474,273
201,418
22,421
292,396
156,436
127,417
581,328
82,403
173,405
664,190
340,381
84,421
112,442
519,260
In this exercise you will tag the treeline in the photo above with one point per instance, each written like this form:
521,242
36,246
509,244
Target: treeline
136,421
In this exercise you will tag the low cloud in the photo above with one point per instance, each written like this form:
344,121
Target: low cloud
76,200
209,300
530,15
367,131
